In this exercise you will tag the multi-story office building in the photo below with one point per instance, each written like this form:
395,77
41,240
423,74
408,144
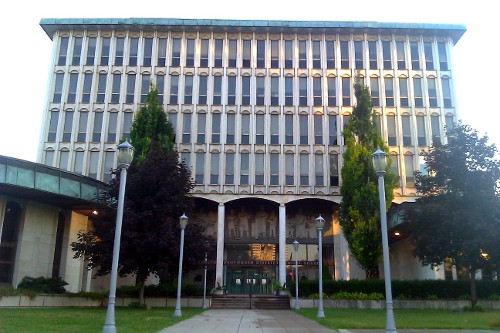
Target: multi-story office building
258,108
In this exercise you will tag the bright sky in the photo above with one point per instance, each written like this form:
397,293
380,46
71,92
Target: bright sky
26,49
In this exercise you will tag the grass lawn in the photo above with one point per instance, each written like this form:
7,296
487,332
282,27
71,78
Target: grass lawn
371,318
88,320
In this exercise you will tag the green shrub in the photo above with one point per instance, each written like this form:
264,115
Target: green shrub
43,285
464,297
475,308
136,305
493,297
432,297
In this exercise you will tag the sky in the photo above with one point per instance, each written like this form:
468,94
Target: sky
26,49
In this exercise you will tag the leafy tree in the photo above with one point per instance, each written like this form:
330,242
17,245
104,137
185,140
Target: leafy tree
359,209
156,195
457,216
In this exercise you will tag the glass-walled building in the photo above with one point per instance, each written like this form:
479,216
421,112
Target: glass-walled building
258,109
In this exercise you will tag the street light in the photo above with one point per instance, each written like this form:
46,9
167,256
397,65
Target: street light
296,248
125,156
379,161
204,303
183,220
320,223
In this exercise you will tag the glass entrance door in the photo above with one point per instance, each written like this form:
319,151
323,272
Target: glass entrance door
250,280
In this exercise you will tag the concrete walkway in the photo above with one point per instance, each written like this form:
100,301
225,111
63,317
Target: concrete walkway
270,321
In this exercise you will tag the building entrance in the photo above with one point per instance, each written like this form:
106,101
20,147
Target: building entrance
250,280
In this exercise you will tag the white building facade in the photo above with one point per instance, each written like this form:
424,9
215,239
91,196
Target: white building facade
258,109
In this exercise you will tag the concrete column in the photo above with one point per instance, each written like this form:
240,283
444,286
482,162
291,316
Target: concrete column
219,265
282,243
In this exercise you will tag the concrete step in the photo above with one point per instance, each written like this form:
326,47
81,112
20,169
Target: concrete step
250,302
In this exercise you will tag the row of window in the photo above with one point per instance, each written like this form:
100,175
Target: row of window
248,90
233,51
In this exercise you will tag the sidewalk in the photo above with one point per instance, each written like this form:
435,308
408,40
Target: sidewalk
270,321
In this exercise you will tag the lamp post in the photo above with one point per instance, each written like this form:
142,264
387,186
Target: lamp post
183,222
125,156
320,223
204,303
379,161
296,248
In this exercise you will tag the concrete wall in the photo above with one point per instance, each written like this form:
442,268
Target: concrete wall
72,269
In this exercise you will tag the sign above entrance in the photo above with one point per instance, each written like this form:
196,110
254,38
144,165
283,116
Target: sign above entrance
267,263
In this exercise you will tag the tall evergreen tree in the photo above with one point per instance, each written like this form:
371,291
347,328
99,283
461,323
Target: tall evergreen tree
359,212
457,216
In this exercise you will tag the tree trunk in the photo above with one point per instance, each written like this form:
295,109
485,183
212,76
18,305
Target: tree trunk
473,292
140,284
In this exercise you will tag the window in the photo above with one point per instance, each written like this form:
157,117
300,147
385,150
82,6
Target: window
160,85
288,129
375,94
259,169
78,162
415,57
63,160
431,83
186,159
288,53
403,91
260,87
244,168
245,129
334,170
445,82
409,170
172,118
87,87
188,89
68,126
275,169
162,52
247,54
217,94
176,52
275,94
58,86
318,170
429,59
389,91
391,130
436,130
345,120
129,97
406,129
115,90
386,54
275,129
259,129
216,128
332,129
200,133
303,129
109,158
344,54
186,127
77,51
101,88
91,48
443,58
288,91
372,54
204,53
63,51
232,53
332,91
401,55
202,90
304,169
245,90
229,168
112,123
303,91
73,81
417,89
358,54
105,43
214,168
317,96
289,169
119,52
127,124
174,89
200,168
378,123
218,53
275,54
318,129
330,54
49,157
230,128
147,52
450,124
316,54
302,54
82,127
346,91
231,90
190,52
395,167
96,133
261,54
421,132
